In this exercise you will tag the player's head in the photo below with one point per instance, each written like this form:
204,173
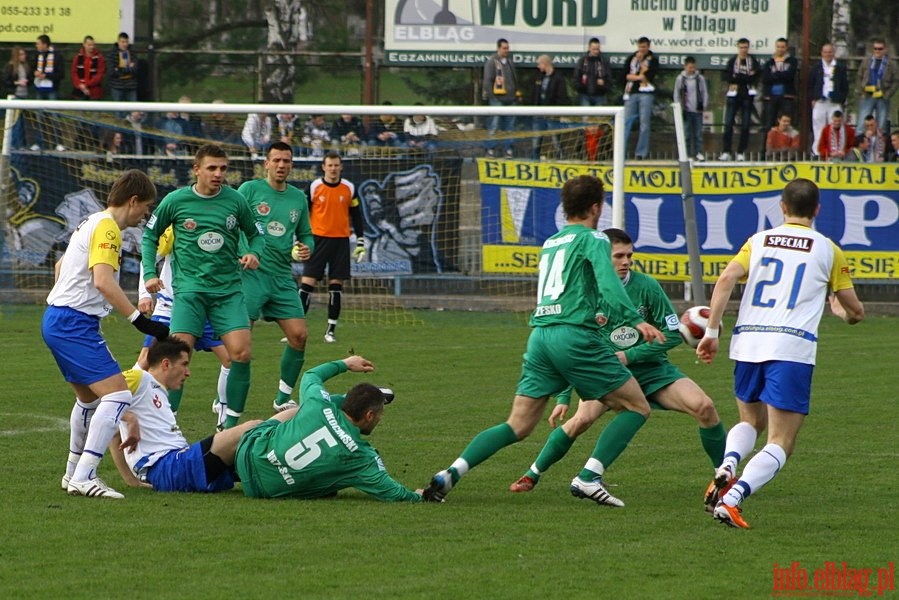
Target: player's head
135,192
622,250
278,162
168,360
364,405
801,199
580,195
332,166
210,166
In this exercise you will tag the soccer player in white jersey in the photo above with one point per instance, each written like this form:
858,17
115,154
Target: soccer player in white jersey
162,312
162,457
789,270
86,290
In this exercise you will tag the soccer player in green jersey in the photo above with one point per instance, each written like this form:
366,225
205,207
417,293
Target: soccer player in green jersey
577,292
270,290
318,449
206,220
662,383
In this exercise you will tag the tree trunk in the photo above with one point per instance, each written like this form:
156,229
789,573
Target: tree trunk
840,26
284,34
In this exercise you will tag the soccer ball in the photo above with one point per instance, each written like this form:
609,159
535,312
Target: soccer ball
693,323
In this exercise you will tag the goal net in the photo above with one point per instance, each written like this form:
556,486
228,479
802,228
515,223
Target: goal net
455,205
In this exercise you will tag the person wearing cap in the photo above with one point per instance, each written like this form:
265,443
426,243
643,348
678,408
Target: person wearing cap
318,449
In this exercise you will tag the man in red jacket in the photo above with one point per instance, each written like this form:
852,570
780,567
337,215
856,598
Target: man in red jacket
87,72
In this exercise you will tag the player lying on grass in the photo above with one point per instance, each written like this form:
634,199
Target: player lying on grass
663,384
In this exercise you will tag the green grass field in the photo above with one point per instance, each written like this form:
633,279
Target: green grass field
834,502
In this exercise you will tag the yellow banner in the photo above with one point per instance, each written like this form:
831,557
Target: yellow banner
675,267
64,21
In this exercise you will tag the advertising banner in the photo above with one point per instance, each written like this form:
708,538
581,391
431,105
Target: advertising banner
859,211
464,32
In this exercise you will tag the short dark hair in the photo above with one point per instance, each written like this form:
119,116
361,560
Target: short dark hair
171,348
501,41
593,40
801,197
869,118
860,139
836,113
279,145
88,37
212,150
132,182
782,39
44,39
362,398
877,40
643,40
689,61
742,41
618,236
332,154
580,193
123,36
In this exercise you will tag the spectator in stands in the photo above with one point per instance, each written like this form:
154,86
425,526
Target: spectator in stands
121,64
593,143
593,76
860,151
548,89
741,74
836,139
49,69
692,91
191,123
828,86
421,131
782,142
287,123
138,141
878,80
316,135
639,93
88,68
221,128
894,143
386,131
877,140
257,133
500,88
349,131
171,124
15,83
113,142
778,85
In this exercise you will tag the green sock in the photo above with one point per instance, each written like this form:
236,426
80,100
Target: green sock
557,446
487,443
175,398
291,365
614,439
713,440
237,390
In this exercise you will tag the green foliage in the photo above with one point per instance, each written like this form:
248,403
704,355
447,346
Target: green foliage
837,493
439,85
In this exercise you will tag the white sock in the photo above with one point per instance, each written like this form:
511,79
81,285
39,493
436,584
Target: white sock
595,466
79,423
222,386
103,427
740,442
461,466
760,469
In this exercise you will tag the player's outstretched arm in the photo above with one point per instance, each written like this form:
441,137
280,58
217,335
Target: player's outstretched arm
708,345
358,364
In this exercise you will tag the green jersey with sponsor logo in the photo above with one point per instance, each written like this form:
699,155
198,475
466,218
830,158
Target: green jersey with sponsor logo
575,278
284,216
654,306
206,236
316,453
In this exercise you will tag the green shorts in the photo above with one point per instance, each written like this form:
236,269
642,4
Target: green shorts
245,457
226,313
562,355
654,376
270,297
